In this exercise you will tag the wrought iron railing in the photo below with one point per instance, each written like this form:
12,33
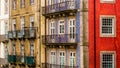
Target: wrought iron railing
64,38
62,6
48,65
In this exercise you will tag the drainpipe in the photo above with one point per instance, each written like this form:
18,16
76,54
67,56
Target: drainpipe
94,33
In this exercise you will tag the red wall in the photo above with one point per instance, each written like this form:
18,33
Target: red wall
103,43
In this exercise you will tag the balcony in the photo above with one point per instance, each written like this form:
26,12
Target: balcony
20,33
30,33
58,8
12,58
12,34
20,59
3,38
30,60
47,65
60,39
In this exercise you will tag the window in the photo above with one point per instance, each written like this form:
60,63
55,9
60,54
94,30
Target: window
108,26
22,51
31,21
22,2
51,2
14,48
31,48
107,60
6,6
52,28
61,27
6,27
52,57
31,2
107,1
14,24
62,59
14,4
72,28
72,59
6,51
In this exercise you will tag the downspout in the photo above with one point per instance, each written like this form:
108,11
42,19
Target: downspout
94,34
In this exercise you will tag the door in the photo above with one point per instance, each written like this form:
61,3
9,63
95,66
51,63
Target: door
52,59
62,60
72,59
72,30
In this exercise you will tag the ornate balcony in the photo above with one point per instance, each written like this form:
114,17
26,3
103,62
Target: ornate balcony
12,58
3,38
58,8
30,33
20,34
60,39
12,34
20,59
48,65
30,60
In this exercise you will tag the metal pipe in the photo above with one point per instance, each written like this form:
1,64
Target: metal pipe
94,33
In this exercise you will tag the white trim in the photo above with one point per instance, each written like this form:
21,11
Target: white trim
114,26
61,24
107,1
111,52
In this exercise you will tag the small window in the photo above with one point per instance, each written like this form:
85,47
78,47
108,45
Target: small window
52,57
107,1
22,23
62,58
61,27
14,4
31,21
107,60
14,24
6,7
14,49
31,2
22,2
108,26
32,49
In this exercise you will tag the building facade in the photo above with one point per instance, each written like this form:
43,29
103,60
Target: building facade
104,34
4,27
65,38
24,34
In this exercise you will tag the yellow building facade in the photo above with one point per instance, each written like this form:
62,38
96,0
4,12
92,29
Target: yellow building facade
24,34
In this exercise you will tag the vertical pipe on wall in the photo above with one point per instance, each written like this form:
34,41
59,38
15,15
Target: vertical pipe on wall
94,33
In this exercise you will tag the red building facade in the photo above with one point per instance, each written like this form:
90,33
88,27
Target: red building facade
104,33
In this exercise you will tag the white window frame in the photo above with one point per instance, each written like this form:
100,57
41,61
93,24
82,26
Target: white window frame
14,48
22,3
13,23
107,1
52,56
22,20
31,48
14,4
108,52
63,24
73,57
32,21
62,57
113,34
32,2
52,28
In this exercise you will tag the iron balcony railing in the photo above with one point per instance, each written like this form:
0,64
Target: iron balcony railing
63,38
48,65
12,58
12,34
3,37
26,33
20,59
58,7
30,60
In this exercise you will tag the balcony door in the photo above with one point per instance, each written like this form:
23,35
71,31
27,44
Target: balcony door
51,5
22,52
14,27
52,59
22,25
52,31
72,4
62,59
72,59
72,30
